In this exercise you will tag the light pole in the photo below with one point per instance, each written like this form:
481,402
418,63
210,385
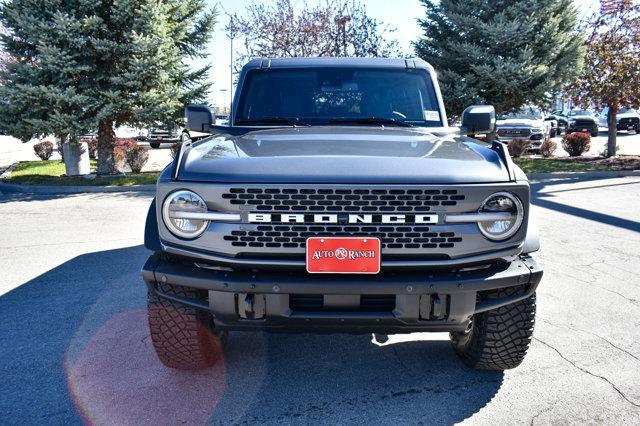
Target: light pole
232,33
342,22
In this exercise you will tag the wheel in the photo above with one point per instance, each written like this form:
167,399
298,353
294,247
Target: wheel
553,133
594,133
497,339
183,337
154,145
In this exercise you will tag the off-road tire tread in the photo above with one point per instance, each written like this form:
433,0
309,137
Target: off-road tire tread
183,337
499,339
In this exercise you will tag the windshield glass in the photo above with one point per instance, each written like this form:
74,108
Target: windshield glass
575,112
526,113
318,96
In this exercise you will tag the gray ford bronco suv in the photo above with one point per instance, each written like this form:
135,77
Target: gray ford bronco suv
338,200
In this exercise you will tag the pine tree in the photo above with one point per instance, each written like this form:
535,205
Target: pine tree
82,64
501,52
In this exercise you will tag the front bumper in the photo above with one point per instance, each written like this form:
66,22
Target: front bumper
590,128
413,301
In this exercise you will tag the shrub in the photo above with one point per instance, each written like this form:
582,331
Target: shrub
136,158
175,148
548,148
43,149
576,143
517,147
120,148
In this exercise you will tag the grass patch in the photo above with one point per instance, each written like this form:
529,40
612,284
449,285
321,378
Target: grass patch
577,164
52,173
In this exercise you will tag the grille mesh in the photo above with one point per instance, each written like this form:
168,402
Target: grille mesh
295,236
584,123
289,200
514,132
368,303
627,121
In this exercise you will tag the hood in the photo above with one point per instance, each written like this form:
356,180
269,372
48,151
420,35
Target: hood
582,117
627,115
519,122
338,154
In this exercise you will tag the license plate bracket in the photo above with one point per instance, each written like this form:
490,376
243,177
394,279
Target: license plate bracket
343,255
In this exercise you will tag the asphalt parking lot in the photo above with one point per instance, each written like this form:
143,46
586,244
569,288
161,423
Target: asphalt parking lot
75,346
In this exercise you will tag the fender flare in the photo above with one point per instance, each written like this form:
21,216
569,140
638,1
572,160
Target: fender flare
532,240
151,235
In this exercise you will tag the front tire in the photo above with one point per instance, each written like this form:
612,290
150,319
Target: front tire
183,337
154,145
497,339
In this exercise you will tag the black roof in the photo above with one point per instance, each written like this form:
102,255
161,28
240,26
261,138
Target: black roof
338,62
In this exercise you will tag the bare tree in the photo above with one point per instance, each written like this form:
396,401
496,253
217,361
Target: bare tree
611,76
331,28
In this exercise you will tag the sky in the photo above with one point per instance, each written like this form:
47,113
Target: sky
399,14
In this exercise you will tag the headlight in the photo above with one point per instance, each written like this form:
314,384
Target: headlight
507,215
176,209
536,130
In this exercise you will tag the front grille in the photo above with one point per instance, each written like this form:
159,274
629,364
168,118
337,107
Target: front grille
514,132
368,303
295,236
584,123
290,200
629,121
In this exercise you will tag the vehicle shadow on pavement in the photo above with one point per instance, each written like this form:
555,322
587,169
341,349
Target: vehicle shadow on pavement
75,347
9,197
543,197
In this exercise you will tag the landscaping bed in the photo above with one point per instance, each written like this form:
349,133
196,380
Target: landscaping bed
577,164
52,173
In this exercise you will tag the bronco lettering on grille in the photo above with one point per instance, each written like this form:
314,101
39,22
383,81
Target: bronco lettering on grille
343,218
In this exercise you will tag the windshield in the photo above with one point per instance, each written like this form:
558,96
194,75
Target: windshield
526,113
318,96
575,112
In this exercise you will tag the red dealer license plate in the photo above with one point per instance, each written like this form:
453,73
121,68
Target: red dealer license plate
343,255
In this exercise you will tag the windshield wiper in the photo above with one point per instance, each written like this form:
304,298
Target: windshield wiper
371,120
293,121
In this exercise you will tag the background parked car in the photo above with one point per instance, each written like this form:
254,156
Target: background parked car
627,120
163,133
525,124
555,129
582,120
222,120
561,119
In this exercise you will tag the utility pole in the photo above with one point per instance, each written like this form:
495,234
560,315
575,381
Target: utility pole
342,22
232,33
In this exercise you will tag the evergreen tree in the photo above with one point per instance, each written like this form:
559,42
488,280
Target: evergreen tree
86,64
502,52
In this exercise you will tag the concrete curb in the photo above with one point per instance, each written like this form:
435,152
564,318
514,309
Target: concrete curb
603,174
37,189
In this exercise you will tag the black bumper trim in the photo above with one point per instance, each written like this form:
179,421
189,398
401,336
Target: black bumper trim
408,288
300,264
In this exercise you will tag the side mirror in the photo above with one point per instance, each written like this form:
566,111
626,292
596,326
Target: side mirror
199,118
479,119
